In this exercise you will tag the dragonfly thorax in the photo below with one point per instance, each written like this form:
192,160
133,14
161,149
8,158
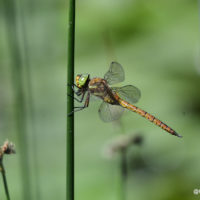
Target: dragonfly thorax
81,80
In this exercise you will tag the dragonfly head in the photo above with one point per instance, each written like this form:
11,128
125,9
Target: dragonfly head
81,80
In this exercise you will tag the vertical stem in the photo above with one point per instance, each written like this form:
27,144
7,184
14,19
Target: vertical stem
70,102
18,93
124,171
23,16
4,180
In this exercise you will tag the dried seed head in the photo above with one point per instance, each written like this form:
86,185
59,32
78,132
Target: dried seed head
137,139
8,147
121,143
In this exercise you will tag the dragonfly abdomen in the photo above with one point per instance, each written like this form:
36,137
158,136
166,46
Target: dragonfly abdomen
148,116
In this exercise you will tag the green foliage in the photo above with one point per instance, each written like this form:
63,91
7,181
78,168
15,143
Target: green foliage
157,44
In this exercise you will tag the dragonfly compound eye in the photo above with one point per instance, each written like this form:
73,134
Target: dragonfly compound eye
81,80
77,80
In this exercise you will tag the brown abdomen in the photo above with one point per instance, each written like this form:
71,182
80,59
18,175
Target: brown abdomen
148,116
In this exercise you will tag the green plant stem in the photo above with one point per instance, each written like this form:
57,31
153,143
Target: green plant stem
24,14
124,171
18,93
4,180
70,102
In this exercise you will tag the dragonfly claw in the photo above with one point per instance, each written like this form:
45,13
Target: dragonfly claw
69,114
69,95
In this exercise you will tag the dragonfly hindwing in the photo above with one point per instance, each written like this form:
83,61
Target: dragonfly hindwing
129,93
108,112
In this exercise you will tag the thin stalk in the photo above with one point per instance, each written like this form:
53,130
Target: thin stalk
18,93
70,101
124,171
3,173
24,14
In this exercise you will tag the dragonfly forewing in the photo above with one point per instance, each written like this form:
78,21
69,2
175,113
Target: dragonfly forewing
115,74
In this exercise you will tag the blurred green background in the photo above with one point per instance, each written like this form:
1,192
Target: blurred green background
157,43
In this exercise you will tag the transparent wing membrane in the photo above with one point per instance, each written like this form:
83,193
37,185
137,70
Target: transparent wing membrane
94,98
129,93
115,74
108,112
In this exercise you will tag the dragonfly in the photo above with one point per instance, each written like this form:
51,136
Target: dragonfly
115,99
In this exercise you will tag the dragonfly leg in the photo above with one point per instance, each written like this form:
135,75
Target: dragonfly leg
86,104
73,85
76,92
76,109
79,100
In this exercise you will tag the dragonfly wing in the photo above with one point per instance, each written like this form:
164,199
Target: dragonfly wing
108,112
129,93
94,98
115,74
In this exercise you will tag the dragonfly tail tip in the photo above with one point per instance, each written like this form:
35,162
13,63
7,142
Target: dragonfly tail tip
176,134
